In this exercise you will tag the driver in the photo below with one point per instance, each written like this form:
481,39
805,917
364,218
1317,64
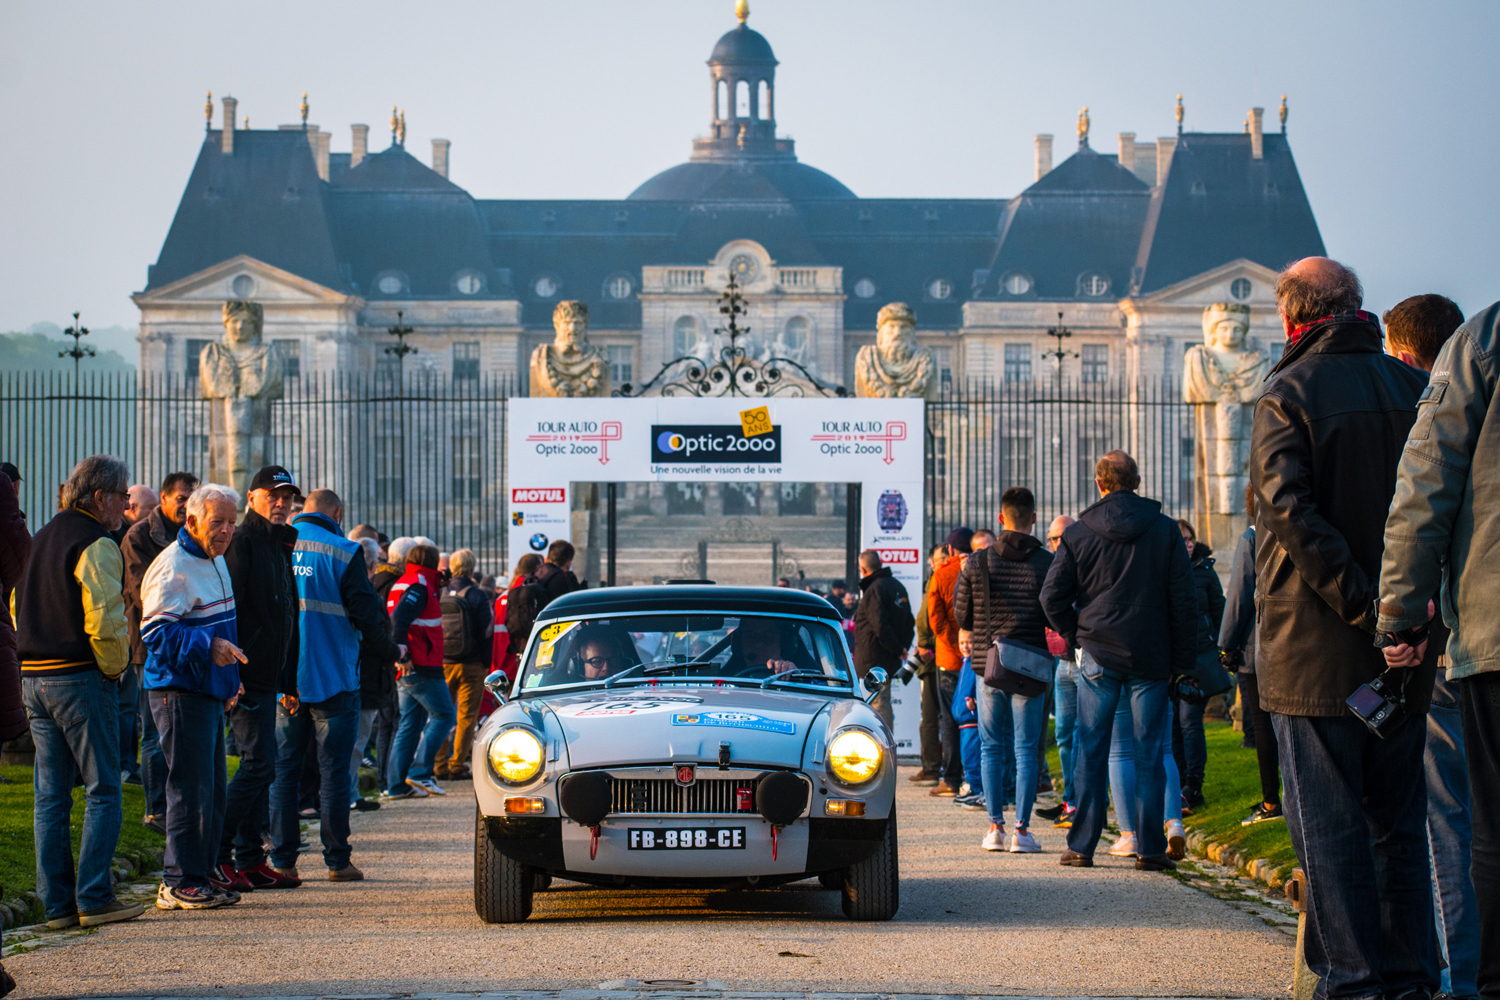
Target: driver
758,647
600,659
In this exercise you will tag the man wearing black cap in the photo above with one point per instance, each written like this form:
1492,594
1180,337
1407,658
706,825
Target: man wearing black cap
265,599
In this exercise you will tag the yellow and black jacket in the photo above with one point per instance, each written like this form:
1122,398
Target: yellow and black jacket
70,607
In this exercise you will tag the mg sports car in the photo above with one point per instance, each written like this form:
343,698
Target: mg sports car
685,736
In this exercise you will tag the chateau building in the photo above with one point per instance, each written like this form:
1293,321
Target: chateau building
1128,246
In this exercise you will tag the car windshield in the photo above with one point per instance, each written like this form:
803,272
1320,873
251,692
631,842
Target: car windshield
603,652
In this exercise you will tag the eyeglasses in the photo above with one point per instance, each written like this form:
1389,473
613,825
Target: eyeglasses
598,661
119,493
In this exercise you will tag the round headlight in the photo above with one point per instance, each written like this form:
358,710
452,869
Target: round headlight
516,756
854,756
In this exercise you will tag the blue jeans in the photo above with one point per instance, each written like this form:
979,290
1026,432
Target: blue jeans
330,726
968,745
1065,710
130,717
1100,693
1122,772
427,719
1010,733
1448,831
75,726
1356,807
191,728
153,763
248,801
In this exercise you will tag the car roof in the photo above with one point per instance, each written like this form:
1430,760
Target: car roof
696,599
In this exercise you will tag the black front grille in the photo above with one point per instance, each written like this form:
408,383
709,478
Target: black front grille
663,795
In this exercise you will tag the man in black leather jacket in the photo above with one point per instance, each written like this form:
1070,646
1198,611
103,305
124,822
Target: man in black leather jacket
884,626
1329,429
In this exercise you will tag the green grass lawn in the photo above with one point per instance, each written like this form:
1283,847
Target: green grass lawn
1232,788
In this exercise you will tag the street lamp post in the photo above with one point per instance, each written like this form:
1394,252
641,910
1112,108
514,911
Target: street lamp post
77,352
1058,354
400,331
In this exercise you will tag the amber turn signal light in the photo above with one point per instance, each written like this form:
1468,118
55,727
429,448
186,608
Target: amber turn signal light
840,807
526,804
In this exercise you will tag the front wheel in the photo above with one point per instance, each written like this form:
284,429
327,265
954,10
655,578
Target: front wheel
872,887
502,885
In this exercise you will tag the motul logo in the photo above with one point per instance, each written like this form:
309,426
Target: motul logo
551,495
889,556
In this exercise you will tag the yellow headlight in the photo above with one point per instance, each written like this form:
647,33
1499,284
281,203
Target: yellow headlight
854,757
516,756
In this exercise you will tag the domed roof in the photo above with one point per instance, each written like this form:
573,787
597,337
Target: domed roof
743,46
742,180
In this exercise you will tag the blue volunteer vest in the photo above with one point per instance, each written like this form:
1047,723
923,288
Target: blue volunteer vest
328,661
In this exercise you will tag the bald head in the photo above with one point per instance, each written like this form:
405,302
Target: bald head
1315,287
325,502
1055,530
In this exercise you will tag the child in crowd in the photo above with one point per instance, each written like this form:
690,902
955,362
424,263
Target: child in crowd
966,714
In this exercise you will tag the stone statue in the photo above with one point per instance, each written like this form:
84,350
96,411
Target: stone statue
569,366
894,366
1225,374
240,375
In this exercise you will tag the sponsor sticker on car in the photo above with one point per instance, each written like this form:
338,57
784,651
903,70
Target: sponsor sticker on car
735,720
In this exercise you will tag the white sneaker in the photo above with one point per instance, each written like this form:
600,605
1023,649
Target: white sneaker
992,842
1176,840
426,785
964,789
1023,843
1125,846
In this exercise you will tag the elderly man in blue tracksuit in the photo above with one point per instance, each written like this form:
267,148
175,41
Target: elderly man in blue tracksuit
338,611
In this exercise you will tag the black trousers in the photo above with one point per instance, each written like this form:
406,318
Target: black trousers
1267,753
953,762
932,744
1480,703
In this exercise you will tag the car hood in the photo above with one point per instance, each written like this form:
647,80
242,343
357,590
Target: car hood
685,724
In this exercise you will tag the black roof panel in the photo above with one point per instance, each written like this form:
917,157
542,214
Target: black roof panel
690,598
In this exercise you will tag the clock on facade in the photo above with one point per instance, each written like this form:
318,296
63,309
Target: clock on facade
744,268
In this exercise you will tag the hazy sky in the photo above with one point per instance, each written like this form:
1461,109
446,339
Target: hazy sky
1394,108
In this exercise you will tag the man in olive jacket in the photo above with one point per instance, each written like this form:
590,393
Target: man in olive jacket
1440,536
1328,431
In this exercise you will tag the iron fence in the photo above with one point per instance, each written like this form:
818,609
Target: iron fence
425,455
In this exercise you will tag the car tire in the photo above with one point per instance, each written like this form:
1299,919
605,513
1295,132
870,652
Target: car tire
502,885
832,880
872,887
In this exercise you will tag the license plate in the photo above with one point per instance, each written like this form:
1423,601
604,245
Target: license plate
688,838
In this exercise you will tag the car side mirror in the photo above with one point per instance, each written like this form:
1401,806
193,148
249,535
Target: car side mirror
874,683
498,685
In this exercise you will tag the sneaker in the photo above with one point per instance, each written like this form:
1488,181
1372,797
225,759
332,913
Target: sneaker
1022,842
427,785
63,923
224,878
1072,859
308,813
1125,846
157,823
1065,821
368,760
1160,863
348,873
229,896
1176,840
133,779
189,897
965,790
287,872
992,841
461,773
303,844
364,805
1192,797
923,779
943,790
974,802
408,792
1262,813
263,876
1051,812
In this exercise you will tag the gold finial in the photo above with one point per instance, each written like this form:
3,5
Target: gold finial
208,111
742,10
401,127
1083,126
1282,113
394,123
1247,126
247,123
1179,114
304,109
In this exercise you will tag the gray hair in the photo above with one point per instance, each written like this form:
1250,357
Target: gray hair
461,562
397,550
208,494
1303,298
372,552
424,540
97,472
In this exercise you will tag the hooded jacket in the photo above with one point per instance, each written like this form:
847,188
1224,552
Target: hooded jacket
1017,565
265,599
556,581
1329,429
883,622
142,544
187,602
417,618
1120,586
1210,594
15,546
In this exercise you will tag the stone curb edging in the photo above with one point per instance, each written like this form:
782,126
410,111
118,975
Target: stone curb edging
25,911
1260,869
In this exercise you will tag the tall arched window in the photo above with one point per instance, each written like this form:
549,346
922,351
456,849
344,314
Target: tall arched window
685,337
742,99
763,101
796,337
723,100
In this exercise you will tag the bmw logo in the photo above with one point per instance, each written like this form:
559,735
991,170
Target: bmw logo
669,442
538,542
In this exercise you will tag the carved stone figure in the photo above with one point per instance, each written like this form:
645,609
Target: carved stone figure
894,366
1225,374
240,375
569,366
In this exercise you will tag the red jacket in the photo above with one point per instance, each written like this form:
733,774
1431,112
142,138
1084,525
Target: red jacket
424,632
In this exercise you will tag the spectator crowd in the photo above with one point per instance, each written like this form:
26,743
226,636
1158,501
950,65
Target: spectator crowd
147,635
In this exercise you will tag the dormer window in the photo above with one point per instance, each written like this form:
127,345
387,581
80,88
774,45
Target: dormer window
618,287
1093,284
1016,283
939,289
469,283
864,288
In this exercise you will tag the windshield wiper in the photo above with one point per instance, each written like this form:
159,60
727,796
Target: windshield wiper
653,668
799,672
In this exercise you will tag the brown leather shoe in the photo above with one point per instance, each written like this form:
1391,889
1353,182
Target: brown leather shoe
922,778
287,872
349,873
1159,863
1073,859
944,789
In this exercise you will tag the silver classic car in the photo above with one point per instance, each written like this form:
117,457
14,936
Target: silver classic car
685,736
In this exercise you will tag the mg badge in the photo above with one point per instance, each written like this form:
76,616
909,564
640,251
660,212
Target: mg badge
890,511
686,774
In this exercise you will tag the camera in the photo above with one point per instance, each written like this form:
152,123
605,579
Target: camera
1380,704
908,670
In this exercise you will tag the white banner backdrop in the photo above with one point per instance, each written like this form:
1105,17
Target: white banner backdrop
876,442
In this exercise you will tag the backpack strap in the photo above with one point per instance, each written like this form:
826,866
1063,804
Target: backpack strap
984,587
